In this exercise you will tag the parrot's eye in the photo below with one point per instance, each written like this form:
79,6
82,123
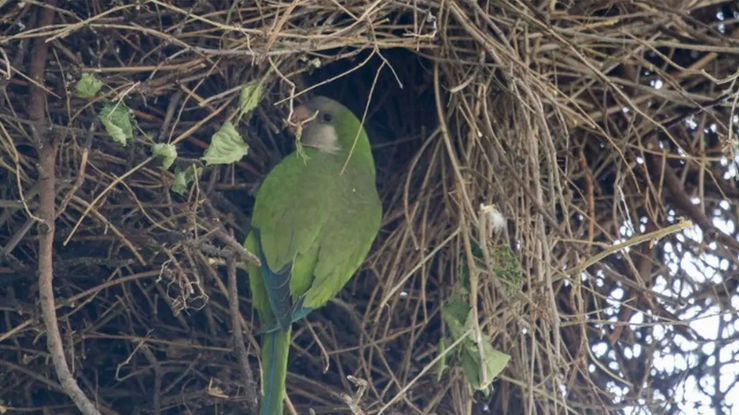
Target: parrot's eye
326,117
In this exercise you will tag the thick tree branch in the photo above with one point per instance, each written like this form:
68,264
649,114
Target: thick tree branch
47,151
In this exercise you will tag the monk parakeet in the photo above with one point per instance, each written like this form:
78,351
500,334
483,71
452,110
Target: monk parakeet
315,217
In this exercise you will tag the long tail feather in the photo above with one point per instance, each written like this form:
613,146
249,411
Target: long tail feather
275,348
276,285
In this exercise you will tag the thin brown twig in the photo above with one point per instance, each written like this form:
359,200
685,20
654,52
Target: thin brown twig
250,386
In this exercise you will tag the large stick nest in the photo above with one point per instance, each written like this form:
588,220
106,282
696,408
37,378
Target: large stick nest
591,126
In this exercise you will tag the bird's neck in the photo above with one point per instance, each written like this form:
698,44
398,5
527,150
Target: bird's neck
346,161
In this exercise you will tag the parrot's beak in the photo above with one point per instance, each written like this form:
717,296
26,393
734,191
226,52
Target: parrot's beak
300,114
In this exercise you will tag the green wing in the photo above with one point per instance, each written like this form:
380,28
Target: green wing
288,213
316,223
345,240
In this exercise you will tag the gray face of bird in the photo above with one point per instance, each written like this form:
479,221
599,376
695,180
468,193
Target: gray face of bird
318,130
321,136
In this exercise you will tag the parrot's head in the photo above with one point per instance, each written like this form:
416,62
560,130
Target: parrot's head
329,126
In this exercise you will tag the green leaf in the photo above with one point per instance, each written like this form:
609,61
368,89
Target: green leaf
314,62
300,151
182,178
443,362
456,314
88,86
166,152
508,269
495,361
226,146
251,94
117,122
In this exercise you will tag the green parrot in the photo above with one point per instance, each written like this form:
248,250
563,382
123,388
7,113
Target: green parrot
315,217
